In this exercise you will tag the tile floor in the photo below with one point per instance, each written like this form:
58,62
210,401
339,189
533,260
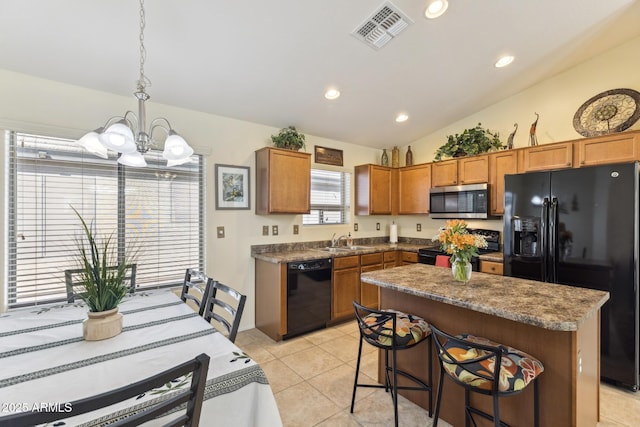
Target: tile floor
312,379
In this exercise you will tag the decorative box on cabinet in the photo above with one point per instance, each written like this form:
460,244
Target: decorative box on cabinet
501,163
283,181
345,286
373,190
413,189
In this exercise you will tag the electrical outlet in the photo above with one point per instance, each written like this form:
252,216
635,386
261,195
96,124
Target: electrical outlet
418,227
355,226
377,226
265,230
274,230
296,230
220,232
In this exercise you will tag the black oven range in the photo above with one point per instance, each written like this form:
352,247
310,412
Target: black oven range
427,255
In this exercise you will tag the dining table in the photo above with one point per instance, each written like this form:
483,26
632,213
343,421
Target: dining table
46,364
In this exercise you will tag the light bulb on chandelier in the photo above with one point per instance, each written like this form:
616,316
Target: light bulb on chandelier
126,134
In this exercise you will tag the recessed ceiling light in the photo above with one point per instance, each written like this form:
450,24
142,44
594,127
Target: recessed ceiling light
504,61
436,8
402,118
332,94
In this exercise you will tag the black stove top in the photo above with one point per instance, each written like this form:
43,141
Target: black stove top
492,237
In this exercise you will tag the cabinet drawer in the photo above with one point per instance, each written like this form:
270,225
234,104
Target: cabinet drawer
491,267
389,256
346,262
409,256
369,259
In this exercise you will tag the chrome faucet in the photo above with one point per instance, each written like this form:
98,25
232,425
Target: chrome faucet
334,241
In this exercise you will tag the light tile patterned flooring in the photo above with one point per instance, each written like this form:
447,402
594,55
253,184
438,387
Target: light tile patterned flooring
312,379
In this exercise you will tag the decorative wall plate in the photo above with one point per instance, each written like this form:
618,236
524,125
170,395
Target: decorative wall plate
611,111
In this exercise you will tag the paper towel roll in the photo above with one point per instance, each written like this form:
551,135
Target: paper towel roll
393,234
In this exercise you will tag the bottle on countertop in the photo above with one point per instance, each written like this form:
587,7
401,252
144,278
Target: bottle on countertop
349,240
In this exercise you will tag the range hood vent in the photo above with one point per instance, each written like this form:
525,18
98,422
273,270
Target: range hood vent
382,26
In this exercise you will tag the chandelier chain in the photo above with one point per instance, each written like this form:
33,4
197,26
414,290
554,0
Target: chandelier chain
142,82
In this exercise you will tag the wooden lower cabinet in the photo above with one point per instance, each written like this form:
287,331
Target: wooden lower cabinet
271,297
491,267
390,259
345,286
368,292
408,258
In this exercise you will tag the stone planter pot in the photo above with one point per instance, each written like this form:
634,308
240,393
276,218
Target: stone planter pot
102,325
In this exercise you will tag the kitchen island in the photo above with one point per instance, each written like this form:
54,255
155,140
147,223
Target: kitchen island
559,325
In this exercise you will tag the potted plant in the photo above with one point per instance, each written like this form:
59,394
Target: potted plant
288,138
102,283
472,141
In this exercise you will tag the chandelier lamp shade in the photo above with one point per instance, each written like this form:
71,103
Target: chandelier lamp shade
127,135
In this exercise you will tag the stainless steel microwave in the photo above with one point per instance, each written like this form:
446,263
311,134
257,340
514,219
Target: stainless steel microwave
460,201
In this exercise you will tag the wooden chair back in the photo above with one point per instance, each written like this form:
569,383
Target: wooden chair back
215,307
73,278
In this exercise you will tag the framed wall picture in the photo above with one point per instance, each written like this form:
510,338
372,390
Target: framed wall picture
232,187
328,156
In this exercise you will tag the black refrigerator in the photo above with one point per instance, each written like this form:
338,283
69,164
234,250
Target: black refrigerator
580,227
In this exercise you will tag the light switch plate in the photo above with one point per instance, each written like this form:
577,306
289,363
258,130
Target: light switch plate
296,230
355,226
220,232
418,227
377,226
265,230
274,230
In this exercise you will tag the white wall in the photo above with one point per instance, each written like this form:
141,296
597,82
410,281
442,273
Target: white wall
40,106
556,100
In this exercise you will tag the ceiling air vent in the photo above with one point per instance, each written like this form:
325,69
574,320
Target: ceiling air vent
383,25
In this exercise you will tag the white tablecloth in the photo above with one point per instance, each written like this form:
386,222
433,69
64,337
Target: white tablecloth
45,361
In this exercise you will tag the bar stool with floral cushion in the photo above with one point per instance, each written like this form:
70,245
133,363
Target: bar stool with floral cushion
471,361
392,330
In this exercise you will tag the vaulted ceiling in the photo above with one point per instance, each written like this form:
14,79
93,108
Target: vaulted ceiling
270,62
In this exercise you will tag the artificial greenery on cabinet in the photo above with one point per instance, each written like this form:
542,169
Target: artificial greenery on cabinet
470,142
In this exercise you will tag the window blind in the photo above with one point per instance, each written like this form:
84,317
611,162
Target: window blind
156,209
330,198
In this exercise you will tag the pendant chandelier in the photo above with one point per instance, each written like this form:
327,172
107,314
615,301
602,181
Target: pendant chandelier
127,134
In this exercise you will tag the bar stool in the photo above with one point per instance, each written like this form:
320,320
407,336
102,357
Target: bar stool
392,330
470,362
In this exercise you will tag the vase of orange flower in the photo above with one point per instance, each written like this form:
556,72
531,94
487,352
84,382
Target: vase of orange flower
462,246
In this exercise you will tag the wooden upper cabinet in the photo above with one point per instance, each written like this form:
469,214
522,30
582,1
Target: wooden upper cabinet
473,170
373,190
616,148
501,163
413,189
547,157
283,181
444,173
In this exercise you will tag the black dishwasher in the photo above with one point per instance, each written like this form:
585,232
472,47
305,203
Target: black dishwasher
308,296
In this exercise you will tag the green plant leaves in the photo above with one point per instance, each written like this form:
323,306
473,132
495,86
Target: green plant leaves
472,141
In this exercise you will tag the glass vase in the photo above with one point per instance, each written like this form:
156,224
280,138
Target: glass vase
461,271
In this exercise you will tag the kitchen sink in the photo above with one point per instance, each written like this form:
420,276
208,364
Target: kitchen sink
342,248
330,249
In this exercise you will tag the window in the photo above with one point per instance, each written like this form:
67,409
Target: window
330,197
155,208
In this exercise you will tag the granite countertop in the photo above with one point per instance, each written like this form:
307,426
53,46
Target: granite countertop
546,305
307,254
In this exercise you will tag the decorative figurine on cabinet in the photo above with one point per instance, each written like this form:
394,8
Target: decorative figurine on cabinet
510,139
533,140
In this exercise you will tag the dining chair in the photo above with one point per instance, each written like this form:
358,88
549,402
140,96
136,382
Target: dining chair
192,397
392,331
223,312
195,288
486,367
73,277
